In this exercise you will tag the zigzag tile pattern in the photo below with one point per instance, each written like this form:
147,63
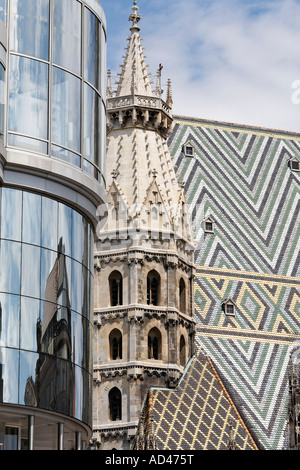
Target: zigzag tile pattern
244,182
240,177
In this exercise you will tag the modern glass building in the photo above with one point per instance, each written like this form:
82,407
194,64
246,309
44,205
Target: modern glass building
52,149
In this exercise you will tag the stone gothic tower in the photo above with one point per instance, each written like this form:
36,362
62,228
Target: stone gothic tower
144,271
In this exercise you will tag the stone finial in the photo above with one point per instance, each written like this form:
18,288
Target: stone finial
169,100
114,174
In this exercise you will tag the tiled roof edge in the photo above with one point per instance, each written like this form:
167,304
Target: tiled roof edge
232,404
242,127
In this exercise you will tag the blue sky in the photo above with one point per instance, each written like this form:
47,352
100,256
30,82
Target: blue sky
231,60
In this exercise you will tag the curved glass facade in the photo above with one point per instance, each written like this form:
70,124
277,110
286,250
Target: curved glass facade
56,96
45,294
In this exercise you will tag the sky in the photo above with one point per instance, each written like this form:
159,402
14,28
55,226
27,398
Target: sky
234,61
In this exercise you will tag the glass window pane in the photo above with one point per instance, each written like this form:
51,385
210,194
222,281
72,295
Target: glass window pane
49,275
67,34
28,97
31,270
3,10
9,320
11,214
9,363
27,143
92,38
29,27
28,390
66,110
30,330
92,125
2,100
10,267
65,215
66,155
31,218
49,223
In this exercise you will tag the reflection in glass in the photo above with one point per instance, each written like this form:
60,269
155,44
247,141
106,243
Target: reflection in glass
65,230
9,320
66,155
31,218
29,27
49,223
31,270
27,143
9,358
67,34
30,321
2,99
66,110
28,388
28,97
92,116
92,51
11,214
10,267
49,275
78,276
3,10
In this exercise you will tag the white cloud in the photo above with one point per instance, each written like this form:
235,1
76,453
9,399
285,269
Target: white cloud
232,61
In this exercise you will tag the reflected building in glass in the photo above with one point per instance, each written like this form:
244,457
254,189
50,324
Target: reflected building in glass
52,152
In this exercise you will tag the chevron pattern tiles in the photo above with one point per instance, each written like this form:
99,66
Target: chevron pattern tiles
240,178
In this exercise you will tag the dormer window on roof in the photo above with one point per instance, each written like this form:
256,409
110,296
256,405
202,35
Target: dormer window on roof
229,307
208,225
188,149
294,164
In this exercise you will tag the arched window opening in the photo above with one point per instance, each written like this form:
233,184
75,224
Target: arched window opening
116,289
153,286
115,344
154,344
115,404
182,351
182,296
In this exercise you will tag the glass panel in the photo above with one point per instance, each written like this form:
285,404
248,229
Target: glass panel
83,394
79,331
3,10
92,125
11,214
90,169
65,214
92,29
31,261
79,237
11,439
64,381
29,379
9,320
31,218
29,27
49,275
67,34
66,110
9,370
77,286
2,99
10,267
49,223
27,143
66,155
103,64
28,97
30,330
48,327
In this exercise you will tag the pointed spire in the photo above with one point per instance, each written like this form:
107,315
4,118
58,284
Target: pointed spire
134,78
134,17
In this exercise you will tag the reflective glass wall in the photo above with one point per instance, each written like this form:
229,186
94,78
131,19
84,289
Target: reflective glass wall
56,96
46,260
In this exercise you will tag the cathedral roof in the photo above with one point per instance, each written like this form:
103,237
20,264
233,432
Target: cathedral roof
198,415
